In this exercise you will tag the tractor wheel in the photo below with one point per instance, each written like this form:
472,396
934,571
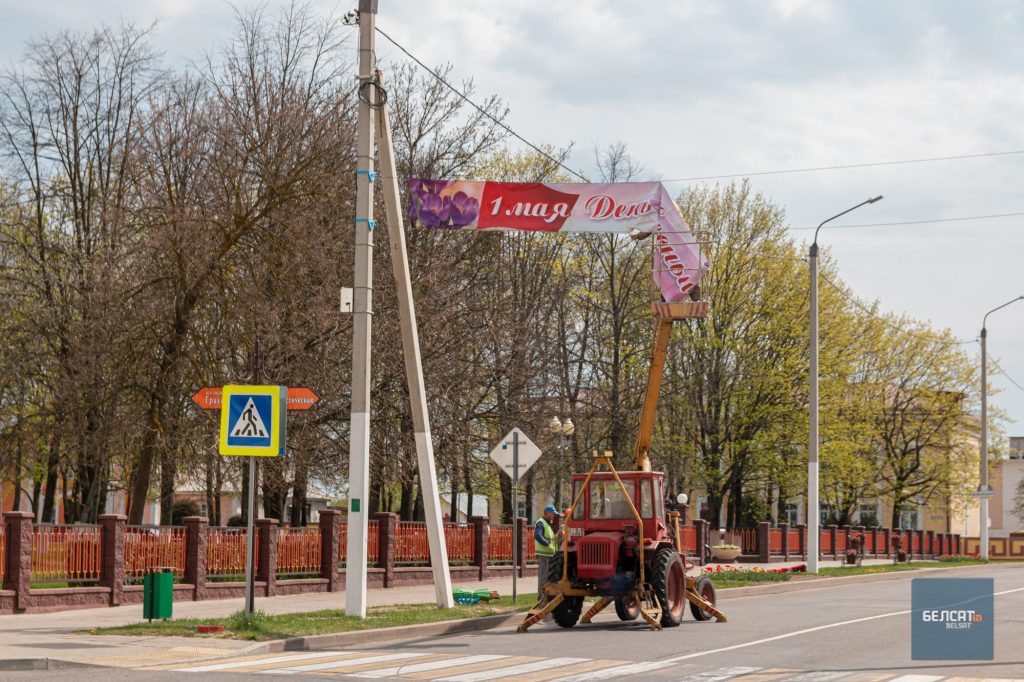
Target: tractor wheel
668,578
706,589
568,612
627,607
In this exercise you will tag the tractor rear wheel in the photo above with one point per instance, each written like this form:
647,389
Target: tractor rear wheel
627,607
567,613
706,589
668,578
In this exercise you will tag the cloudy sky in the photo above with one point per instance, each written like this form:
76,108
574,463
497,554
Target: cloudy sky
700,89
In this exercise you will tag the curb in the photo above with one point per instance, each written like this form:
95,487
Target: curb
28,664
824,583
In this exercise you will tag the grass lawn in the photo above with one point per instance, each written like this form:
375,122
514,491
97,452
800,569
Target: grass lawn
262,626
889,568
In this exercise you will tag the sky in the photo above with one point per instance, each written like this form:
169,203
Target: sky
698,89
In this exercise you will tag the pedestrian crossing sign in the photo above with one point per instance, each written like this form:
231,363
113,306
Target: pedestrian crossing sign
253,420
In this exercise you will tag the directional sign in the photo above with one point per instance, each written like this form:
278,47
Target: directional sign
209,398
253,421
504,452
984,493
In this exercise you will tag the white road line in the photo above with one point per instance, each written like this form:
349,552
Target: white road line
426,667
258,661
720,674
381,658
513,670
819,676
805,631
917,678
622,670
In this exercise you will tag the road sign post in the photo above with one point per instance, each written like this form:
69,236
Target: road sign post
253,423
515,454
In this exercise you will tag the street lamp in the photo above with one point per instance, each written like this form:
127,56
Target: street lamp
813,520
984,491
563,430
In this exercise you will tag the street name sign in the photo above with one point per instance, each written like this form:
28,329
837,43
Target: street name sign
301,398
983,493
504,453
253,421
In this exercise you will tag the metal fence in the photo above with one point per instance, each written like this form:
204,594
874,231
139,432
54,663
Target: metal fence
225,553
411,546
65,554
147,547
459,539
499,545
299,552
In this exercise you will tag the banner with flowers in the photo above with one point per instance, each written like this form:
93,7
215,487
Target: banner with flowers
640,209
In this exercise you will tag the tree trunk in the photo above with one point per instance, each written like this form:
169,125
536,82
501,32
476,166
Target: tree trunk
52,464
168,472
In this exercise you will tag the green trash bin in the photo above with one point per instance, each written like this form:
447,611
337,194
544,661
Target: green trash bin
157,593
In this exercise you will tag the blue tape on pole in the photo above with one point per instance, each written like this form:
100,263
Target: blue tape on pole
369,173
372,224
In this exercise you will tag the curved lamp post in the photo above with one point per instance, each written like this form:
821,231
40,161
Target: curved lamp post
984,491
813,514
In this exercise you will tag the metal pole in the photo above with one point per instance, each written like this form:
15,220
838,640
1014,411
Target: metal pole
359,432
813,535
515,513
414,367
983,485
249,542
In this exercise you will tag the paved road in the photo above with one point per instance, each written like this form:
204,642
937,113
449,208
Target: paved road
847,633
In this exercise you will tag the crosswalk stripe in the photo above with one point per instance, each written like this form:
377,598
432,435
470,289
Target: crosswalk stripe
720,674
769,675
341,666
471,667
587,666
868,677
819,676
261,667
447,662
254,660
512,671
630,669
917,678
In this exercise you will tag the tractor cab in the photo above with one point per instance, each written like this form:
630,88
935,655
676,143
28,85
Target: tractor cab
604,506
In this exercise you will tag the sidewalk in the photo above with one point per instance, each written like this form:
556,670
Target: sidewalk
50,635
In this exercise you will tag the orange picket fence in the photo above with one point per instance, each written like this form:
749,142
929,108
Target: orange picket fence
147,547
372,543
459,540
298,552
499,545
65,554
225,552
411,546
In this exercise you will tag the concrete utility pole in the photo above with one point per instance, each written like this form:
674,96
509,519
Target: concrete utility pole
414,368
984,491
813,513
359,432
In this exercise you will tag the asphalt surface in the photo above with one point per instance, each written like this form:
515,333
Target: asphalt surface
850,632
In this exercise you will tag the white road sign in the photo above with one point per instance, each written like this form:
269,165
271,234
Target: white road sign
984,493
504,452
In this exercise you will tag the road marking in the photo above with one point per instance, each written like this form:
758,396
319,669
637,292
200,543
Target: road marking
398,670
805,631
770,675
472,667
336,657
512,671
818,676
917,678
630,669
339,666
720,674
547,675
254,660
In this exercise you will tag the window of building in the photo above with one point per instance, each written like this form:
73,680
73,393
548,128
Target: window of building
792,513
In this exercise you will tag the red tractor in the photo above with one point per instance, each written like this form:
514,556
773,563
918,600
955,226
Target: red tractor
620,545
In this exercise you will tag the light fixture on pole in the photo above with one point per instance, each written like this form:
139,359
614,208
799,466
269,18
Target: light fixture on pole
813,520
562,430
984,491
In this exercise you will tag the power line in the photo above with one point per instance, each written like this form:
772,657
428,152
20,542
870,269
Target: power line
1003,371
845,166
476,106
918,222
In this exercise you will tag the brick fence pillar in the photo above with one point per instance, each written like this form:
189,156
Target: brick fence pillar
764,542
524,537
197,531
700,537
784,529
18,572
801,530
387,536
266,545
330,548
112,532
481,531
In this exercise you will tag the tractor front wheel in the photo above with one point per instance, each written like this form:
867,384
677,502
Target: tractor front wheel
706,589
567,613
627,607
668,578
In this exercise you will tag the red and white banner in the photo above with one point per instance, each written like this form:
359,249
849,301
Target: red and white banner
635,208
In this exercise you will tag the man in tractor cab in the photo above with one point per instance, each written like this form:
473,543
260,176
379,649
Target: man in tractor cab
545,542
